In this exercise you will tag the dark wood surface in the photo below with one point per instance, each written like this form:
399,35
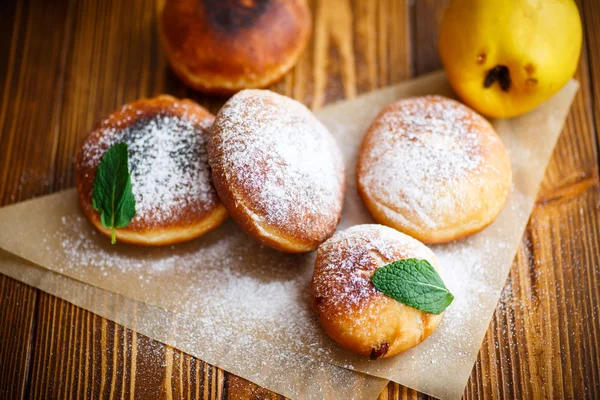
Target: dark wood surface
66,63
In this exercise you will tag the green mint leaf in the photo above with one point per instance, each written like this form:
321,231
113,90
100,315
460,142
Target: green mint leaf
112,196
415,283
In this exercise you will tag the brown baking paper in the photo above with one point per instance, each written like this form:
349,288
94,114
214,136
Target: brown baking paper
229,293
292,374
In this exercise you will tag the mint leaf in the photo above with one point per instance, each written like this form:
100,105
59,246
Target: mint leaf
415,283
112,196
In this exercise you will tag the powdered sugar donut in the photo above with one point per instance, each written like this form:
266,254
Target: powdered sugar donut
170,176
277,170
433,168
350,309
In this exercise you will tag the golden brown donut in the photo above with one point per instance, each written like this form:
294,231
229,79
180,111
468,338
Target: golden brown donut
352,312
170,176
277,170
434,169
222,46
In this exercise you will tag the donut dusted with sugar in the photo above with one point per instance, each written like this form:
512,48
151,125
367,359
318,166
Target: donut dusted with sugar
352,312
433,168
277,170
227,45
170,177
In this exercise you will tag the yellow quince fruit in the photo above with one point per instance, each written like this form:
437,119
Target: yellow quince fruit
505,57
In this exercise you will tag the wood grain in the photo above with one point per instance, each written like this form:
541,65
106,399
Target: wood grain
67,63
590,11
17,316
28,135
426,17
79,355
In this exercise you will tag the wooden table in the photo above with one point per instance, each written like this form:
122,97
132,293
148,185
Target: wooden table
67,63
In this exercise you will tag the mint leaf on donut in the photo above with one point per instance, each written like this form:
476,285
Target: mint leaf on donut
112,196
415,283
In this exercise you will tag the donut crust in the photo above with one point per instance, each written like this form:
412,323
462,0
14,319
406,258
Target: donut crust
472,200
351,311
223,46
188,222
298,234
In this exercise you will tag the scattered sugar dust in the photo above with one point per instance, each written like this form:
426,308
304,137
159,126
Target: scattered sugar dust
168,163
226,284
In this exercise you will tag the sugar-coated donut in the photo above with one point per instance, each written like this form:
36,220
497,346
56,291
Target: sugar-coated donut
433,168
277,170
170,176
223,46
352,312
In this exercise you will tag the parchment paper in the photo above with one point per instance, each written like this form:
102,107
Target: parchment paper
228,291
291,374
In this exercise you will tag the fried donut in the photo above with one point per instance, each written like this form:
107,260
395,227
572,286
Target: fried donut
222,46
170,176
434,169
352,312
277,170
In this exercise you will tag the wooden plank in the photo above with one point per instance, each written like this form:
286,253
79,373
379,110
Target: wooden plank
426,18
17,301
32,99
80,355
574,160
17,315
31,96
590,11
543,340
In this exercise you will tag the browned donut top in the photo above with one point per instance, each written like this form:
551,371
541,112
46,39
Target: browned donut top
419,153
235,38
271,156
341,282
170,176
231,16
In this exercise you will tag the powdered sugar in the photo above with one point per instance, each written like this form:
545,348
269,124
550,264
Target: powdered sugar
342,282
227,284
217,278
286,163
421,151
168,163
